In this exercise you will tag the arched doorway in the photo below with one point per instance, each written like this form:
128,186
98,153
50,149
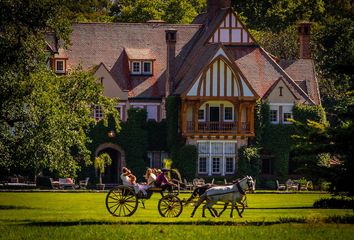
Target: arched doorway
112,172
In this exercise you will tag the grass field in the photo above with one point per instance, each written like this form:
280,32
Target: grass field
83,216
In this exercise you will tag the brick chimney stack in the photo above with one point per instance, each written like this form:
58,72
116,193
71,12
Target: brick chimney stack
171,39
213,6
304,29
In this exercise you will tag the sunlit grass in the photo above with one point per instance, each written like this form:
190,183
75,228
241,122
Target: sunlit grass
65,215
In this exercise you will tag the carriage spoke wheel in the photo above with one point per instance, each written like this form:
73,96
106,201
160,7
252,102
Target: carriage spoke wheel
121,201
170,206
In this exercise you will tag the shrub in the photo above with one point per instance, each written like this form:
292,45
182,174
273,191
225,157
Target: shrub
249,162
335,202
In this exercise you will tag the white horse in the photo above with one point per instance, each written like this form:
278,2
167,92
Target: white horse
233,193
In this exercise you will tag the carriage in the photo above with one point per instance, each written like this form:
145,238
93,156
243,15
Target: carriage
122,201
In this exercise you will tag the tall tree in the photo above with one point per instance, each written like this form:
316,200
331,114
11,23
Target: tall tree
171,11
43,118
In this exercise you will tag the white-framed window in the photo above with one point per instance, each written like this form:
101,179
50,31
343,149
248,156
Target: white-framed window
59,66
287,113
97,113
228,114
201,115
219,157
147,67
273,116
216,165
151,112
229,164
202,165
120,110
136,67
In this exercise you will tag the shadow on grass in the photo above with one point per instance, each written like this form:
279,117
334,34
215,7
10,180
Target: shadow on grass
11,207
346,219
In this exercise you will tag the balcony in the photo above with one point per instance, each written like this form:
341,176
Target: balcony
218,128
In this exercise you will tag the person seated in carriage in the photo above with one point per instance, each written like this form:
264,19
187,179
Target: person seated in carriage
163,181
129,179
150,177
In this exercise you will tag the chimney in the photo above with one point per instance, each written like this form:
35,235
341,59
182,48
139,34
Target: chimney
304,29
171,38
213,6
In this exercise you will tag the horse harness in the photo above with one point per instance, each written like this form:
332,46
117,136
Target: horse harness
241,191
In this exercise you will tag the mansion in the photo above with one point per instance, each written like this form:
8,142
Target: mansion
214,65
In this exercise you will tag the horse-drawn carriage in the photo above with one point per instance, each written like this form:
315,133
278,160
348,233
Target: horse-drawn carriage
122,201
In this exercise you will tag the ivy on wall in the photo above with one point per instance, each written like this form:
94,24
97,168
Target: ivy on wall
276,138
137,136
184,156
134,140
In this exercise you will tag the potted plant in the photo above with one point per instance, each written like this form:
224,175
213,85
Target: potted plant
100,163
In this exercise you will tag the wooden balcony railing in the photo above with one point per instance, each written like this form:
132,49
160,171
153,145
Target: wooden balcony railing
218,127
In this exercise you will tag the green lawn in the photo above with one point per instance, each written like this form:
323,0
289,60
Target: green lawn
83,216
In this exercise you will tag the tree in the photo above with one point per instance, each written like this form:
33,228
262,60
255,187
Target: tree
101,162
43,118
171,11
317,141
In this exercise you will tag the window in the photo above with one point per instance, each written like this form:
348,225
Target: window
201,115
229,165
136,68
147,67
286,117
120,110
156,158
287,113
151,112
274,116
228,114
59,66
216,165
217,156
202,165
98,114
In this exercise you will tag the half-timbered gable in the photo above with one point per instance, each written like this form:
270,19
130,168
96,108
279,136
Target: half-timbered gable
220,79
231,31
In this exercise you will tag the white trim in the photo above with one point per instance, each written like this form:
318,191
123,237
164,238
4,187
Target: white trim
204,113
277,115
282,104
232,114
56,66
206,164
143,67
132,68
144,104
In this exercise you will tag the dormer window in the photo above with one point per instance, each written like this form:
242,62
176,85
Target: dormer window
59,66
147,68
136,70
140,61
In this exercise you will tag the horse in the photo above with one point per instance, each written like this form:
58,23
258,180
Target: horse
199,191
233,193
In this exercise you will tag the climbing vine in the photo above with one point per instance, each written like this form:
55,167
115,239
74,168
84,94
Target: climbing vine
277,138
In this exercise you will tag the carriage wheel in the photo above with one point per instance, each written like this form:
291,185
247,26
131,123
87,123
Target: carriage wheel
121,201
170,206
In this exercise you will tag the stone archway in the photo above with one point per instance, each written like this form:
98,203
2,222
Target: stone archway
117,154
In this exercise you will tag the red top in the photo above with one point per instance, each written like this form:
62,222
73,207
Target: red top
161,178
